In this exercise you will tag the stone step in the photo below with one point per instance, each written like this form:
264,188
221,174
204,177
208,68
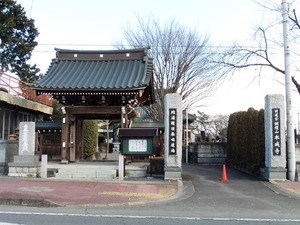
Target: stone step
84,171
95,175
93,170
136,171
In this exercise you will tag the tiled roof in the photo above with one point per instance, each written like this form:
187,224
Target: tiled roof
48,125
97,70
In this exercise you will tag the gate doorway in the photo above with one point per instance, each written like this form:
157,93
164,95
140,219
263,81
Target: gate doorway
48,135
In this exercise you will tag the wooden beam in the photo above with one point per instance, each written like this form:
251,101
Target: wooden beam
99,110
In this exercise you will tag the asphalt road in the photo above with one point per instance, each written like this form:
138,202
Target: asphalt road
126,220
204,200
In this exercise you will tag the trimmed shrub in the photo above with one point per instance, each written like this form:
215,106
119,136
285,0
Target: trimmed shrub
246,140
90,138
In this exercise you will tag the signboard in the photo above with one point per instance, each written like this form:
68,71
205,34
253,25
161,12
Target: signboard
276,136
137,141
137,145
172,131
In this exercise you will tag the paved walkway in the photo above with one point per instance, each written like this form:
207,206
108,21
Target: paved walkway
42,192
291,188
48,192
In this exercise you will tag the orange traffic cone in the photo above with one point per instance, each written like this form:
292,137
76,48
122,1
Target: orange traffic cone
224,174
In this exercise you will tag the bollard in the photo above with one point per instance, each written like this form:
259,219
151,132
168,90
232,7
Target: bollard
121,167
44,166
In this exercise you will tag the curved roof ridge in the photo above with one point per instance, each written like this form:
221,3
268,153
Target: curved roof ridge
90,70
60,50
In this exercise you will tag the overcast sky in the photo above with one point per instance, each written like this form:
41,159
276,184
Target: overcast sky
97,24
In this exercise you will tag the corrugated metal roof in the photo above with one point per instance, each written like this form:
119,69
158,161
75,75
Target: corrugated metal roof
98,70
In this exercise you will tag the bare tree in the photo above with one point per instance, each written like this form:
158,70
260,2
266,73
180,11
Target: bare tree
293,17
219,124
214,126
261,55
239,57
181,62
201,123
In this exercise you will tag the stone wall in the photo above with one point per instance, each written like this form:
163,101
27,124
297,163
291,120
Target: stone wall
8,149
207,153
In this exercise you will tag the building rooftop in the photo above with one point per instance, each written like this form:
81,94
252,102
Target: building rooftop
85,76
98,70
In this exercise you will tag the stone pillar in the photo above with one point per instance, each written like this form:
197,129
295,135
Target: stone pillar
26,163
275,141
173,136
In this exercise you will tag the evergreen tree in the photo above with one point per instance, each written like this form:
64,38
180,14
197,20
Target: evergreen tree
18,34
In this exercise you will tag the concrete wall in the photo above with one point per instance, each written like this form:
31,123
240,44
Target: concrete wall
24,103
297,155
8,149
207,153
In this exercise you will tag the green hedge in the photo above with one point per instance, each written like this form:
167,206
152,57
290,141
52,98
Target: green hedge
246,140
90,137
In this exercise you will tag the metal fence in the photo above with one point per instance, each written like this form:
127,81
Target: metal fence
13,85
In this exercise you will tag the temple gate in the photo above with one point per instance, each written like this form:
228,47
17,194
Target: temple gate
91,84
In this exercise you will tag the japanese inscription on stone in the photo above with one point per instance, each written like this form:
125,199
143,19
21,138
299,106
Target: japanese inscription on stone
27,138
276,131
172,131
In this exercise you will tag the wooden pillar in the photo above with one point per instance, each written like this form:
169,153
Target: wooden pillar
124,117
37,149
65,137
40,144
79,137
17,120
72,139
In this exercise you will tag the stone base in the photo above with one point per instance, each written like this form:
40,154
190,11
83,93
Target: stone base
24,166
273,173
173,173
3,169
63,161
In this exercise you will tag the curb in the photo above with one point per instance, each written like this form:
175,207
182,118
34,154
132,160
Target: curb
276,188
28,202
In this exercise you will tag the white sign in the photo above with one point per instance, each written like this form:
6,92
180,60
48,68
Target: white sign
137,145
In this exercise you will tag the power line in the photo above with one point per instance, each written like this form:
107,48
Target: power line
157,46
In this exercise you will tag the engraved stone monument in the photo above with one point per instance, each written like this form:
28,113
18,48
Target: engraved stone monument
173,136
26,163
275,147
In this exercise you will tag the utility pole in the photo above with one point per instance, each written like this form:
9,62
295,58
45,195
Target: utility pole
186,136
289,111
